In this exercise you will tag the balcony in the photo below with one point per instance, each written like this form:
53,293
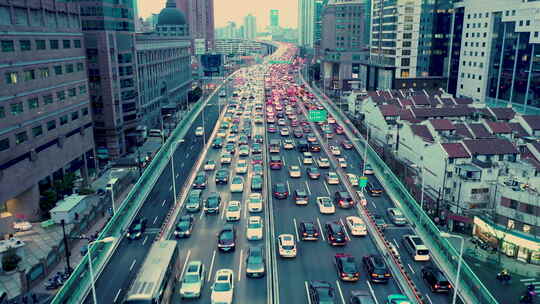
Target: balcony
482,163
469,172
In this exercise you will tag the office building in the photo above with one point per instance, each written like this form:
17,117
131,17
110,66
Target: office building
499,51
274,19
250,27
306,23
45,122
317,27
200,17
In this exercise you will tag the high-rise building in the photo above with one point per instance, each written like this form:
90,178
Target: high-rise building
45,121
306,22
317,27
111,63
200,16
250,27
499,51
274,19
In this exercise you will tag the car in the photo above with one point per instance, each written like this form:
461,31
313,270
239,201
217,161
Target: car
237,184
325,205
368,170
233,211
226,158
284,131
222,176
255,202
314,147
435,279
212,203
321,292
230,148
300,197
335,234
217,143
343,199
231,138
346,267
257,169
280,191
353,179
199,131
256,159
281,122
374,188
255,262
396,216
259,139
288,144
331,120
308,231
356,225
136,229
398,299
347,145
271,128
335,150
256,148
332,178
254,230
223,287
297,132
376,268
286,246
361,297
307,158
323,163
379,221
184,227
243,150
193,280
221,133
311,138
193,202
256,182
227,238
241,166
294,171
275,162
243,139
210,165
342,162
200,181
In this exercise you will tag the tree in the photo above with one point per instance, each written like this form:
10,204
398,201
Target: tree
48,201
194,95
315,71
10,260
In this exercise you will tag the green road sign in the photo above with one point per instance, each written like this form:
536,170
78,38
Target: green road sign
279,61
317,115
363,181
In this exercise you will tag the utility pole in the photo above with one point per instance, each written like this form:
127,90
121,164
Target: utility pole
66,248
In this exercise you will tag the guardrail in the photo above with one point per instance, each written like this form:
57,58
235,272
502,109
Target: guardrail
472,290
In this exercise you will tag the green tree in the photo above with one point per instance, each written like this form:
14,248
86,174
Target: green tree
48,201
10,260
315,71
194,95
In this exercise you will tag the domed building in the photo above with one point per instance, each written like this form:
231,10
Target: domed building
172,22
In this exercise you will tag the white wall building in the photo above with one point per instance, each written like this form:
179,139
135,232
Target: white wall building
250,27
306,22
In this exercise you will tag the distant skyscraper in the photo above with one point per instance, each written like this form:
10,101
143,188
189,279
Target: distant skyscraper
200,16
274,19
306,22
250,27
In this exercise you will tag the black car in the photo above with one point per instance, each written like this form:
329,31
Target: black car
136,229
376,268
379,221
374,189
230,148
212,203
200,181
321,292
222,176
314,147
313,172
218,143
361,297
280,191
343,199
227,238
184,227
308,231
335,234
436,280
346,267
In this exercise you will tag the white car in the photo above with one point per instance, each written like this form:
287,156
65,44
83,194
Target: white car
284,131
368,170
332,178
233,211
237,184
335,150
353,179
223,287
286,246
342,162
254,229
231,138
210,165
288,144
294,171
363,200
193,280
331,120
356,225
326,206
255,202
199,131
226,158
323,162
307,158
221,133
241,166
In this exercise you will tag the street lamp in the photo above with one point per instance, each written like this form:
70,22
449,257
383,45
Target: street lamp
112,193
173,178
90,244
449,235
365,152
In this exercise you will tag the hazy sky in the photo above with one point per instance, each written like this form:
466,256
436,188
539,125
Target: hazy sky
235,10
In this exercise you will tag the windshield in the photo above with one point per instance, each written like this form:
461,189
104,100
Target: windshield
226,235
234,208
191,278
254,225
222,286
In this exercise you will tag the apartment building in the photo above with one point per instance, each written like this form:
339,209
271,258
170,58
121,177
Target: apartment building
306,23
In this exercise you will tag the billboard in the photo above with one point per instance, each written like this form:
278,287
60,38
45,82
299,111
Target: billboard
211,64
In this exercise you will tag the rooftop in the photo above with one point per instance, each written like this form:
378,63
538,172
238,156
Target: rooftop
499,127
503,113
422,131
442,112
533,121
461,129
455,150
518,129
420,100
480,131
490,146
389,110
442,124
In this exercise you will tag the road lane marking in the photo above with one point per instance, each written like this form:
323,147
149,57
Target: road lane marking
307,292
296,229
202,214
288,187
191,147
155,219
185,263
299,161
395,242
372,292
326,186
117,295
211,266
170,188
145,239
245,212
412,270
308,190
340,292
284,164
429,299
182,164
320,229
240,265
177,175
132,264
345,229
163,204
222,212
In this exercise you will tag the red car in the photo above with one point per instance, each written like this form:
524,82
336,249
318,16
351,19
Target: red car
271,129
339,130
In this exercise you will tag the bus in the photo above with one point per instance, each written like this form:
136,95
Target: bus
156,279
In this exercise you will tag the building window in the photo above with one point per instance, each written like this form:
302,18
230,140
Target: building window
63,120
69,68
44,72
51,125
511,224
29,75
53,44
66,44
75,115
77,44
82,89
58,70
2,112
48,99
4,144
84,111
33,103
61,95
72,92
11,77
80,66
40,45
16,108
25,45
21,137
37,131
8,46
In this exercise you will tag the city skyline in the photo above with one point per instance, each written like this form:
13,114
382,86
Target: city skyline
236,10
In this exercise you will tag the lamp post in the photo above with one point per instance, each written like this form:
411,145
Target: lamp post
173,178
112,194
90,244
449,235
365,152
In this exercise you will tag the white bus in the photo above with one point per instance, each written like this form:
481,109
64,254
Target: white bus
156,279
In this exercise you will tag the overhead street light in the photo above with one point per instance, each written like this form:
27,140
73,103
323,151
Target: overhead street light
108,239
450,235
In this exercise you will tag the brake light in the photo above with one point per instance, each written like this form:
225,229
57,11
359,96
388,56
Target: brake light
304,233
437,286
387,275
374,275
343,274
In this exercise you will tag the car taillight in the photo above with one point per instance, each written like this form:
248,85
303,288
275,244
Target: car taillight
304,233
387,275
374,275
343,274
437,286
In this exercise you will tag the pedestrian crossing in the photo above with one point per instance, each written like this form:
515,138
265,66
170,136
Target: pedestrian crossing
532,281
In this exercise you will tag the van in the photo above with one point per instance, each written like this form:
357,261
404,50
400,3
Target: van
112,184
416,248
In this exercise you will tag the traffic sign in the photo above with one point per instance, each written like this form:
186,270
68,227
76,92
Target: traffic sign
317,115
363,181
279,61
